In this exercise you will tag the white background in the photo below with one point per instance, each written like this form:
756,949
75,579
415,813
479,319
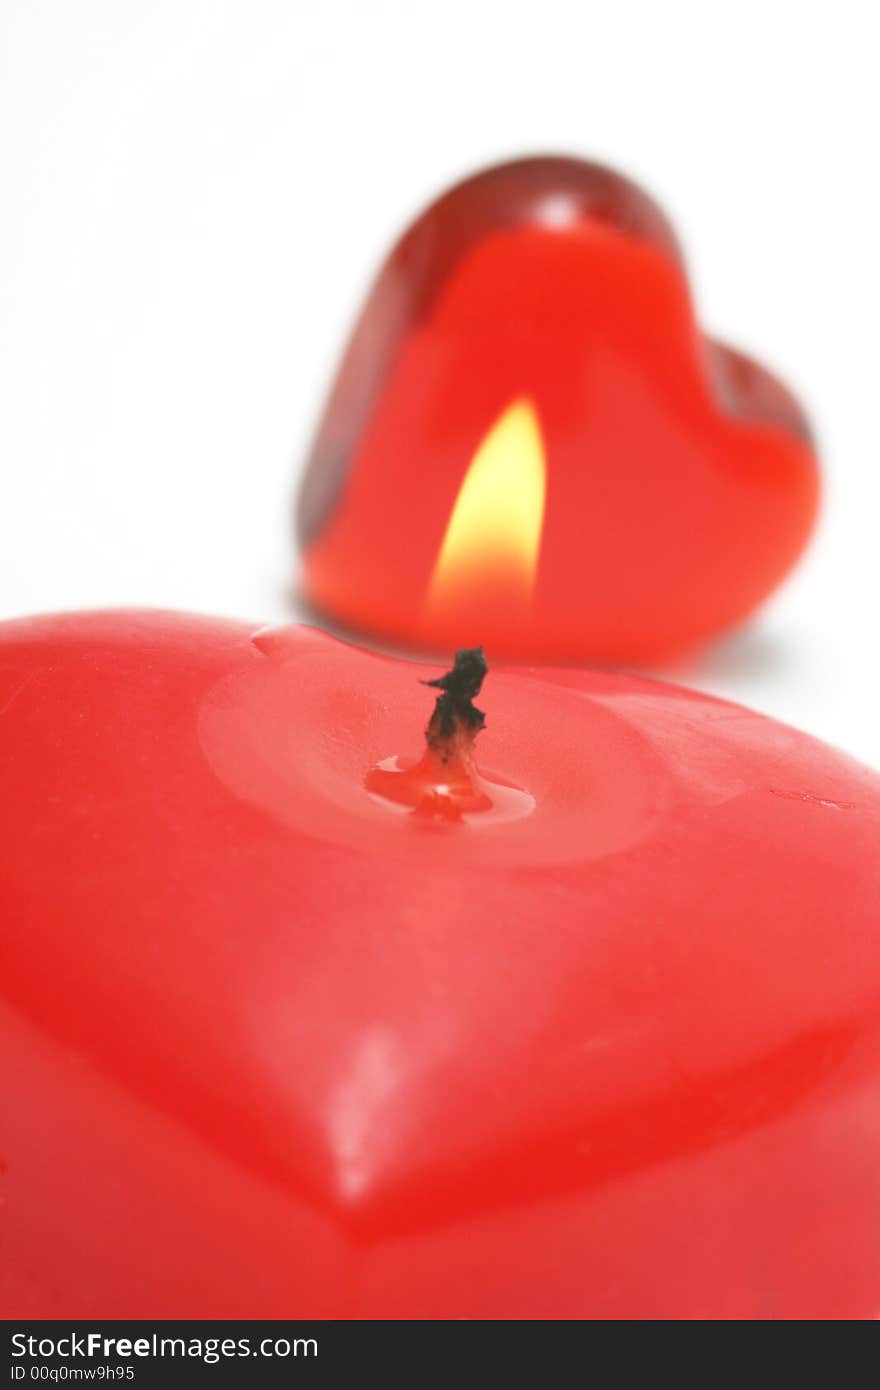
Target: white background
194,196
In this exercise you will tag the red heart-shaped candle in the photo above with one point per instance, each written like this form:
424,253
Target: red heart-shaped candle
531,444
301,1020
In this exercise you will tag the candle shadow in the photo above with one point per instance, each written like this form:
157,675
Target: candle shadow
753,654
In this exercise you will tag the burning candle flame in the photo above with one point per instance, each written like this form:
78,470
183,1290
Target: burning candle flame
494,532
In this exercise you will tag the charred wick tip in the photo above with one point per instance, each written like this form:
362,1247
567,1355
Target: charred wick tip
455,711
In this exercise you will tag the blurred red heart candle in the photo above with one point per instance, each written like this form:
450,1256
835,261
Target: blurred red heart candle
573,1017
531,444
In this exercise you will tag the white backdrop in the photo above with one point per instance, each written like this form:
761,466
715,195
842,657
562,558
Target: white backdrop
195,193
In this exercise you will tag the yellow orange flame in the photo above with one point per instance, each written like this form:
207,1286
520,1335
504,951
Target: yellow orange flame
494,532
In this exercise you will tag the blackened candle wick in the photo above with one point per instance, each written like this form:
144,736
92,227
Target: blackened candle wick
444,785
456,719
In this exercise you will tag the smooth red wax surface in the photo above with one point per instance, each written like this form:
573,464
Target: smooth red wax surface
681,480
272,1047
